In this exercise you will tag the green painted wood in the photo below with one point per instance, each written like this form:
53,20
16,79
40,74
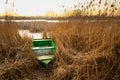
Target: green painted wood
44,50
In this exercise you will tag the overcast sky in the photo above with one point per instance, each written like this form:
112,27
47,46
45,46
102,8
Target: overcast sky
40,7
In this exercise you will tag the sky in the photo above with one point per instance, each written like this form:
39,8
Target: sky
41,7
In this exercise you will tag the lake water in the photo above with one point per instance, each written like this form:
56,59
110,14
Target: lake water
43,20
29,34
40,35
32,35
59,21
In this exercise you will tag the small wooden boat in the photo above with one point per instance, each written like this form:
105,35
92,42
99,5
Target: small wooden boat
44,50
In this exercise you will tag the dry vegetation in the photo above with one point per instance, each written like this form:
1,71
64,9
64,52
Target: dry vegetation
15,57
94,8
85,51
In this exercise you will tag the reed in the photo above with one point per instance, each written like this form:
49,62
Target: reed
16,59
86,49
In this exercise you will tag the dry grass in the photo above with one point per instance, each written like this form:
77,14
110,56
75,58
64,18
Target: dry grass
16,58
85,51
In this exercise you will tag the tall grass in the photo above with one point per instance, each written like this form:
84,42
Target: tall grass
87,51
16,58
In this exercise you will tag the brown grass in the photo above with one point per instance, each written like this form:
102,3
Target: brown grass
16,58
85,51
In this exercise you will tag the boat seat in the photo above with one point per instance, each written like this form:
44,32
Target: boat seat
43,48
45,57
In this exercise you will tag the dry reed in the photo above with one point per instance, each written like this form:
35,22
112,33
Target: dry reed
16,59
86,50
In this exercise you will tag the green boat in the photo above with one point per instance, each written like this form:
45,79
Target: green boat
44,50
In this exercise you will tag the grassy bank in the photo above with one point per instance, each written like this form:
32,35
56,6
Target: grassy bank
85,51
16,58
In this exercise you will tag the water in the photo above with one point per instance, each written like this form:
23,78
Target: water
32,35
43,20
59,21
29,34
